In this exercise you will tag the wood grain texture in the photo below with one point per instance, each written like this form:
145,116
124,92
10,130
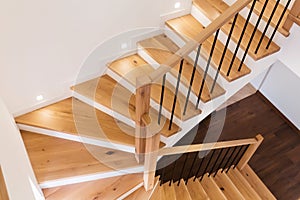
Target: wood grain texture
3,189
53,158
182,191
160,48
74,117
212,189
258,7
133,66
196,190
220,6
256,183
167,192
139,194
242,184
227,187
109,188
188,28
107,92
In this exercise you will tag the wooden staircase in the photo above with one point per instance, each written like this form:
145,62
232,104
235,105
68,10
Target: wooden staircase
233,185
85,146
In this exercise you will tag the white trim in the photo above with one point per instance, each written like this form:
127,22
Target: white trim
90,177
129,192
104,109
77,138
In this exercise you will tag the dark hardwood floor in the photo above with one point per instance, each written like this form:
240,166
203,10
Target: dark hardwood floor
277,161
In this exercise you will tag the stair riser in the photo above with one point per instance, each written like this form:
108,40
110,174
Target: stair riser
76,138
104,109
90,177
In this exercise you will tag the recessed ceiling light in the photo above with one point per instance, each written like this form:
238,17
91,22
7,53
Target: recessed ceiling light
39,97
124,46
177,5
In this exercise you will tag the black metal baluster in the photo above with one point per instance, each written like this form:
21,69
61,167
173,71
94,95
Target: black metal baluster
267,26
192,79
241,156
201,163
161,98
207,165
235,157
212,169
162,176
207,67
182,169
229,159
224,52
226,153
191,169
175,95
173,173
241,37
278,23
252,35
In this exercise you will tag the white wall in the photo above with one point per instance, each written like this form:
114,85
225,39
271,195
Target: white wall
44,43
281,83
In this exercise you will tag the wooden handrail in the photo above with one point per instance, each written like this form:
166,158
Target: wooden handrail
293,16
192,44
204,147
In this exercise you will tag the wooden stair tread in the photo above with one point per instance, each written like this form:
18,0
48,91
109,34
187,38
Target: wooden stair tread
167,192
107,92
188,28
160,48
227,187
269,8
196,190
241,183
74,117
256,183
139,194
108,188
54,158
182,191
220,6
212,189
134,66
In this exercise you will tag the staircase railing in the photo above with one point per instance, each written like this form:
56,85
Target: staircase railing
293,16
209,158
147,141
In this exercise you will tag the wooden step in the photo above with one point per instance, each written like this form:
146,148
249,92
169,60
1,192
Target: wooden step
256,183
107,92
56,159
156,194
187,27
160,48
109,188
269,8
196,190
75,118
3,189
241,183
212,189
167,192
182,191
213,8
227,187
139,194
134,66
